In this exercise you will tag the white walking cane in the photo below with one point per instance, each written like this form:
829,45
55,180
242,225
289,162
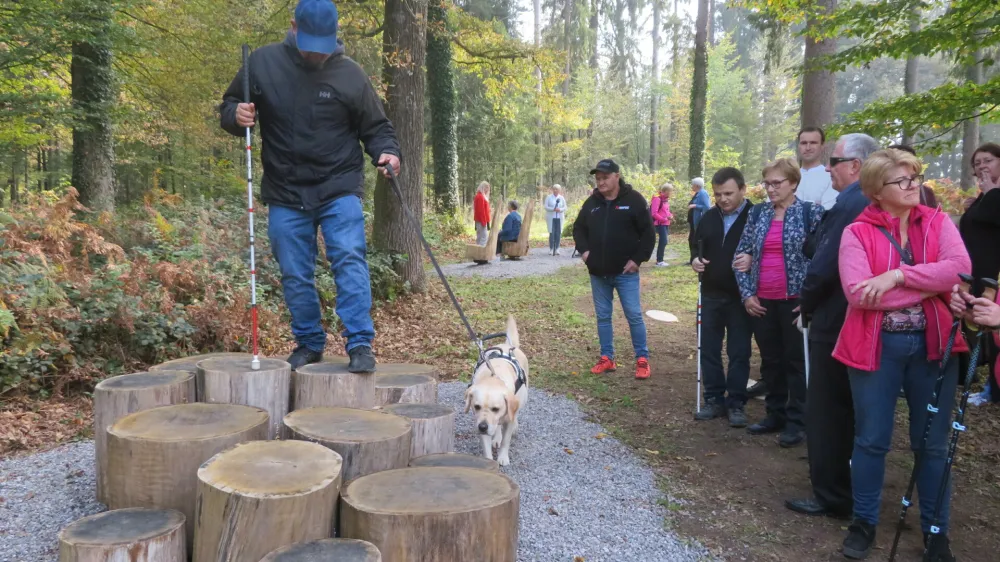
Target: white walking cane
697,405
805,345
255,363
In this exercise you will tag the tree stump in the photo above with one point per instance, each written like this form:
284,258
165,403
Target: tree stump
368,440
405,383
332,385
190,363
119,396
434,514
457,460
227,380
125,535
154,455
327,550
433,427
263,495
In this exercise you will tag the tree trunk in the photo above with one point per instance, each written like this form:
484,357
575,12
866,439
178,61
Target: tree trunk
135,535
332,385
819,87
675,57
699,92
223,380
711,22
970,128
910,76
433,427
340,550
457,460
403,47
568,44
444,119
654,93
539,147
93,97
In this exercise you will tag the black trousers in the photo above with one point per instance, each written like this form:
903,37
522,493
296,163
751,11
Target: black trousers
782,365
724,317
829,428
987,356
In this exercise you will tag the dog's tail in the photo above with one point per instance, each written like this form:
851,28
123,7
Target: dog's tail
513,338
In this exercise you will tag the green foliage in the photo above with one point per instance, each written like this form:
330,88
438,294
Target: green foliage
441,99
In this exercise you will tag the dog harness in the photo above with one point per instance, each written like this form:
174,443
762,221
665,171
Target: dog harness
497,353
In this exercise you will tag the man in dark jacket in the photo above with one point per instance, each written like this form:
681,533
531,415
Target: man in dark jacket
829,405
314,105
614,234
722,311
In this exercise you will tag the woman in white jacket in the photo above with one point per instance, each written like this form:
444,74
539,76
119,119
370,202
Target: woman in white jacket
555,207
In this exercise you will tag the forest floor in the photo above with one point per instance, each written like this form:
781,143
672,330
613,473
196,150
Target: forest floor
729,486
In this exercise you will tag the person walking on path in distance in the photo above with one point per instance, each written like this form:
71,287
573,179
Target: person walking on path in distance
770,266
816,186
614,235
829,406
555,208
659,208
699,205
722,312
481,212
314,104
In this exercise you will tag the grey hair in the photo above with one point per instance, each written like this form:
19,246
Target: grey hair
858,145
513,205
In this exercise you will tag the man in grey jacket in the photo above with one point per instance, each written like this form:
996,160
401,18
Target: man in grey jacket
314,105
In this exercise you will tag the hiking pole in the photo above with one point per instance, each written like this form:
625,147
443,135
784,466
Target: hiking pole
989,293
255,362
932,409
698,323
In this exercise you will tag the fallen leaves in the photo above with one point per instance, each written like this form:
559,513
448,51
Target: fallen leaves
601,435
568,451
30,424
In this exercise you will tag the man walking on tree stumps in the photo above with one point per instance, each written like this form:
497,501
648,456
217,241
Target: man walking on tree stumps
314,105
614,234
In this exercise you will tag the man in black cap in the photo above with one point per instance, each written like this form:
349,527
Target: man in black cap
614,234
314,105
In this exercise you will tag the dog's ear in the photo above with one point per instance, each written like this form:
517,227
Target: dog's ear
512,404
468,399
513,338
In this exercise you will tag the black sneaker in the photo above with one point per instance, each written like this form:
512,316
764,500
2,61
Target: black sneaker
860,540
737,417
304,356
769,424
938,548
362,360
711,411
791,437
759,388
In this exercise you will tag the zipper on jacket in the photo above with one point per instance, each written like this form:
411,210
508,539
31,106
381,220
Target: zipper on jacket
604,235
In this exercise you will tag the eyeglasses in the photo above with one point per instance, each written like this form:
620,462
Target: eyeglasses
834,160
774,184
906,184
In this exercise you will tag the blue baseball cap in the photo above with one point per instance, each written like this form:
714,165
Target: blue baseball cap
316,21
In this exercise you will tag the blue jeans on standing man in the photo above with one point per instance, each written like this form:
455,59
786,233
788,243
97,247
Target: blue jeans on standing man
294,244
903,364
603,288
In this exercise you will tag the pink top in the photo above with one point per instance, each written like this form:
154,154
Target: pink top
659,207
773,281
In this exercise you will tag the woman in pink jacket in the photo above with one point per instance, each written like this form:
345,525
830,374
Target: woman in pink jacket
659,207
898,263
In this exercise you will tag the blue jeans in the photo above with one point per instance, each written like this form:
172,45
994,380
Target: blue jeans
904,363
603,289
724,317
662,230
294,244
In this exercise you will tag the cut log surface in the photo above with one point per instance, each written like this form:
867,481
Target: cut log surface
327,550
154,455
190,363
397,383
368,440
119,396
226,380
125,535
434,514
332,385
263,495
433,427
457,460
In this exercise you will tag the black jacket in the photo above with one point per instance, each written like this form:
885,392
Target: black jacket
311,122
718,248
821,297
980,230
614,232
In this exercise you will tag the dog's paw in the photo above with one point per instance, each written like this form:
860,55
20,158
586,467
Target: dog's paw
503,459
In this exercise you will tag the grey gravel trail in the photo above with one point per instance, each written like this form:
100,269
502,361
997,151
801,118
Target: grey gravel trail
600,503
537,262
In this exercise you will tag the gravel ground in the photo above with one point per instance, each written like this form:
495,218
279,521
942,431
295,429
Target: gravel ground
537,262
600,503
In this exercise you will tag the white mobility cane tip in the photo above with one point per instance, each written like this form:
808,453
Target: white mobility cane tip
255,364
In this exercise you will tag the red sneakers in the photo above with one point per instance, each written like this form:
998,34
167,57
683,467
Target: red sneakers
642,368
604,365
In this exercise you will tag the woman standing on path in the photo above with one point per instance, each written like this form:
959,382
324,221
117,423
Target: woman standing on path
481,212
898,263
659,207
555,207
770,267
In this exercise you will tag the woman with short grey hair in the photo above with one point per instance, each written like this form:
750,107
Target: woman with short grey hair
555,207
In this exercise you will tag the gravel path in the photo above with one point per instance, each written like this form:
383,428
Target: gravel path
600,503
537,262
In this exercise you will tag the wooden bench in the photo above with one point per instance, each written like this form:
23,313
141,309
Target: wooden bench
483,254
519,248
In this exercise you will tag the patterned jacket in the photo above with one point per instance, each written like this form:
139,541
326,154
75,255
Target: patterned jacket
801,220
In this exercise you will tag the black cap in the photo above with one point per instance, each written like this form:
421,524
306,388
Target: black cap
607,166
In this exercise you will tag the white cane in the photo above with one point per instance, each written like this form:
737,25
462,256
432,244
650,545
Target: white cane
697,405
805,346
